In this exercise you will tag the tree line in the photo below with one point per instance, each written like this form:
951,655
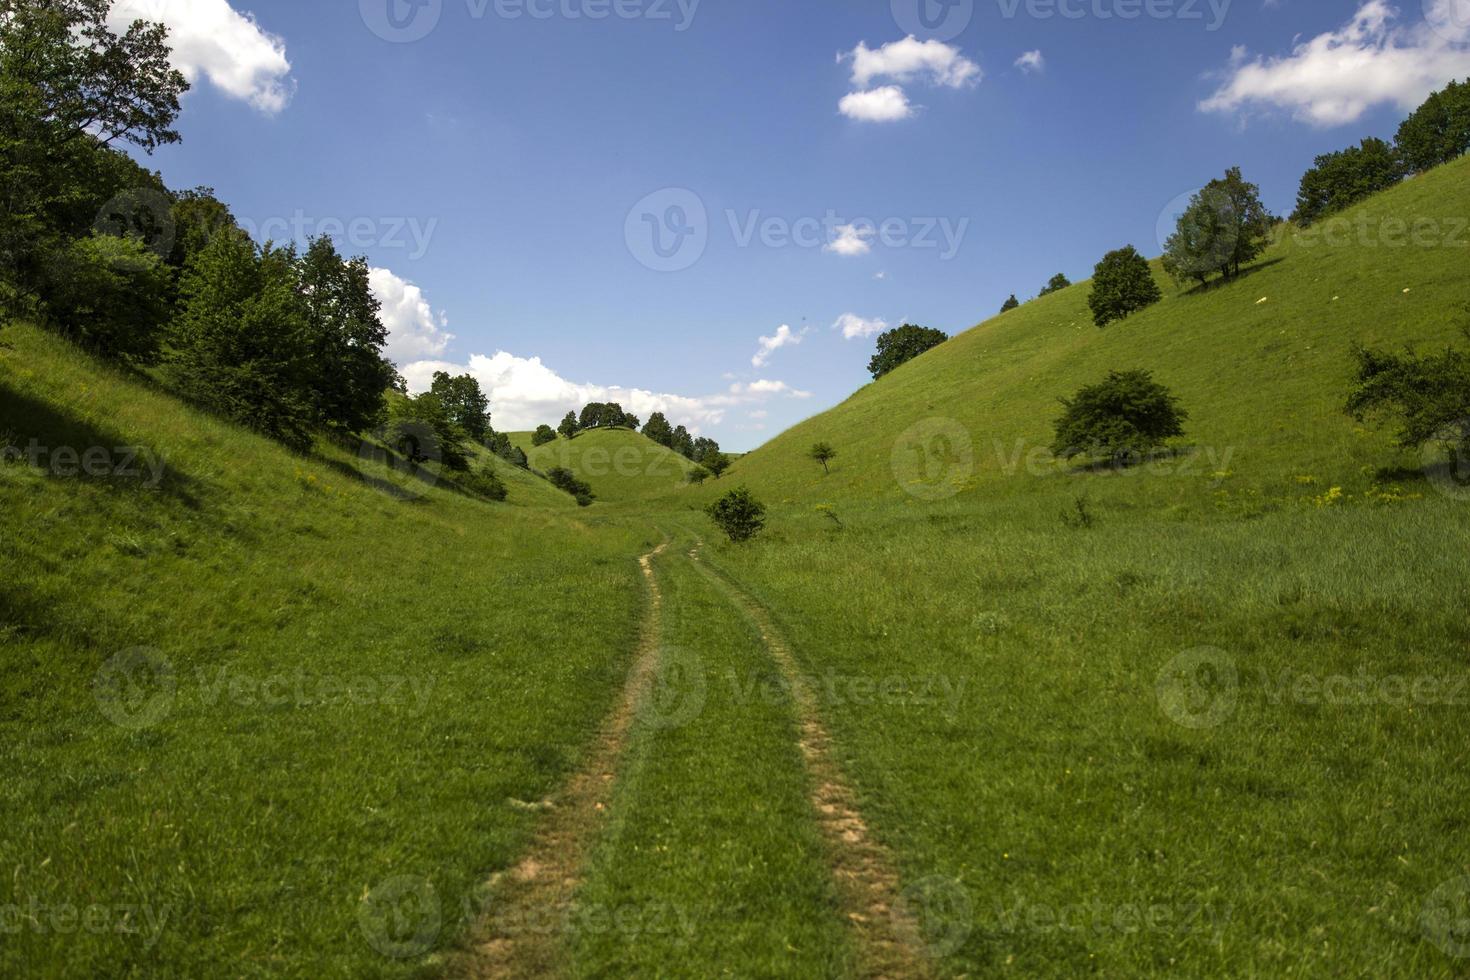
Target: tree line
285,340
610,415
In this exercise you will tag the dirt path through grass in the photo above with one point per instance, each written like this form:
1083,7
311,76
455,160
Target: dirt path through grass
888,940
521,935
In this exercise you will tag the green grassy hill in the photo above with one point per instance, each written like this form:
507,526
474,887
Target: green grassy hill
1263,365
1235,697
247,693
620,465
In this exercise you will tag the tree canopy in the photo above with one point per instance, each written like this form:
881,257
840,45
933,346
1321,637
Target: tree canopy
1119,418
1342,179
900,345
1122,285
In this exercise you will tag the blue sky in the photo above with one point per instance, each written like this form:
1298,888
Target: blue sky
493,169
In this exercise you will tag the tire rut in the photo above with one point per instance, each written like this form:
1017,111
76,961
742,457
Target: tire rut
888,939
521,937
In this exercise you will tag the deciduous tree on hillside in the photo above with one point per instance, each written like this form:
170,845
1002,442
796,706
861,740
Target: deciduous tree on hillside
465,402
900,345
1339,180
1122,285
1438,131
1057,283
1120,418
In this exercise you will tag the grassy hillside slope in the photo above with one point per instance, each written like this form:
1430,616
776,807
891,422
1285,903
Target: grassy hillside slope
1216,731
1262,364
620,465
237,700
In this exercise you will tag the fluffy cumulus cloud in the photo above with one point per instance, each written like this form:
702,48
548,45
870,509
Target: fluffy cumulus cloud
850,241
911,59
415,331
886,104
525,393
901,63
1376,58
854,327
1031,62
211,39
785,337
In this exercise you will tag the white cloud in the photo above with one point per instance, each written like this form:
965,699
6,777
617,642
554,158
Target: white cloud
851,240
1031,62
785,337
854,327
525,393
211,38
759,388
1372,60
887,104
415,331
910,59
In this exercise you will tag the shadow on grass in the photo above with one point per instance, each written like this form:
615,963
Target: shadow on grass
1247,272
69,449
1133,461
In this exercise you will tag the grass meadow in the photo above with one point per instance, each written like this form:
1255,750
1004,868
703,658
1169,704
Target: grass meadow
266,714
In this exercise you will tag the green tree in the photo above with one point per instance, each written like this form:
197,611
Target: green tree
1122,285
1438,131
111,295
717,463
703,447
682,442
1224,227
196,214
1056,284
569,426
738,514
350,373
1340,180
1120,418
900,345
591,417
69,84
465,403
422,429
658,429
1010,304
544,434
1429,394
242,345
823,453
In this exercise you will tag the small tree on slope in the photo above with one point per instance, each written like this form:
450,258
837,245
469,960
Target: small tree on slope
738,514
1122,285
1124,416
